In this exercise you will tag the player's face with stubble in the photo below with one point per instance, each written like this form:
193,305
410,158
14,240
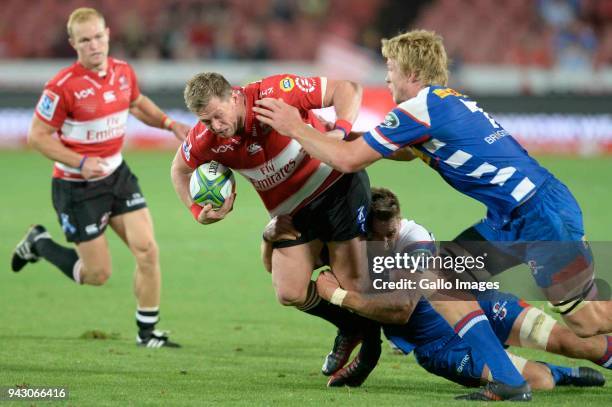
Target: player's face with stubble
90,40
221,116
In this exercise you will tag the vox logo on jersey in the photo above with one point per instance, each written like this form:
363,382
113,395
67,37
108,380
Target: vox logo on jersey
84,93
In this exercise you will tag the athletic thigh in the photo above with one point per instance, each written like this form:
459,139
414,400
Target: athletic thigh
348,260
135,228
95,255
292,268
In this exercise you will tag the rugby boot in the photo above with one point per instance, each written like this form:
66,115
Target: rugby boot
25,252
155,339
343,346
584,377
356,372
495,391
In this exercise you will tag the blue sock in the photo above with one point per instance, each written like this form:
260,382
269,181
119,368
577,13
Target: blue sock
475,329
561,374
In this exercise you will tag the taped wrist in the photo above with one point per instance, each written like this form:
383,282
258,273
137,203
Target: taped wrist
338,296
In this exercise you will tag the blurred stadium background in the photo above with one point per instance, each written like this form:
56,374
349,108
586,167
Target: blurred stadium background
542,67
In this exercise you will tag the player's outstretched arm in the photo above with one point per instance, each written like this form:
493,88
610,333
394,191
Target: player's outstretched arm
145,110
40,137
343,156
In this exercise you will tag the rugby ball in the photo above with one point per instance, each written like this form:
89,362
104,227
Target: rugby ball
211,183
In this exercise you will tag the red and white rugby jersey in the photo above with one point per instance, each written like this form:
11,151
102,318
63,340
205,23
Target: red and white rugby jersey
281,171
89,111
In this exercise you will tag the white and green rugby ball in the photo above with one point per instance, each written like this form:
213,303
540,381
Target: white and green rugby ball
211,183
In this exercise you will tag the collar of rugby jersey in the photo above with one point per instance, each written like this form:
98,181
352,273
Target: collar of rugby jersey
110,69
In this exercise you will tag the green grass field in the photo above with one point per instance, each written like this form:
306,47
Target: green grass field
239,345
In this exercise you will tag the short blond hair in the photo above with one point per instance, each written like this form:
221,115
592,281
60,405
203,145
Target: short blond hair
203,87
420,52
82,14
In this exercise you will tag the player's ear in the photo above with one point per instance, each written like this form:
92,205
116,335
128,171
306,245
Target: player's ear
71,42
234,98
107,32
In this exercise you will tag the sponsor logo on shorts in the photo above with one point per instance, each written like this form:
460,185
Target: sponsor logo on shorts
67,227
463,363
286,84
306,85
361,218
92,229
137,199
499,310
47,104
95,228
104,220
533,266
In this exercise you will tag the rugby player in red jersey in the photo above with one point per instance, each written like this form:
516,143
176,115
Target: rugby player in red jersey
328,207
87,106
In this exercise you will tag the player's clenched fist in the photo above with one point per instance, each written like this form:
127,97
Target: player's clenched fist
93,167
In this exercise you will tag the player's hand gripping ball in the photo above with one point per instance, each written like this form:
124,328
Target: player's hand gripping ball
211,183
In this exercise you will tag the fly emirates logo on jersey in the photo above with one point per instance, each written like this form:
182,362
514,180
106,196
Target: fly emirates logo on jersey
97,130
275,171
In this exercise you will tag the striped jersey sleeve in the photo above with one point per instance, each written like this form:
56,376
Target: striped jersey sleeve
407,124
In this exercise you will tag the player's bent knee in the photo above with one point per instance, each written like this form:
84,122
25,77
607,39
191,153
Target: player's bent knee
541,382
290,297
96,275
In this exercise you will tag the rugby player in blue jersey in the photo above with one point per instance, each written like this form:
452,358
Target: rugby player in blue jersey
417,327
439,350
476,156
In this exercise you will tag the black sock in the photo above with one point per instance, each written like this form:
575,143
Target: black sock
146,318
61,257
346,321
